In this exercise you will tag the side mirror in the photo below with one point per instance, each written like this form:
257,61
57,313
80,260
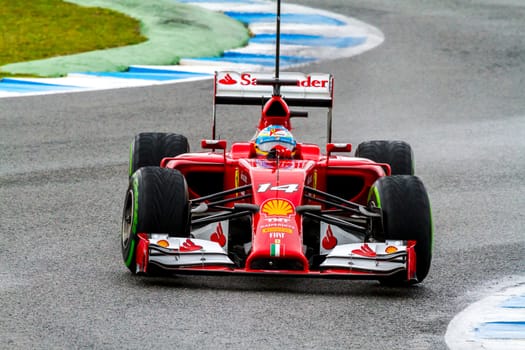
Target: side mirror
338,147
214,144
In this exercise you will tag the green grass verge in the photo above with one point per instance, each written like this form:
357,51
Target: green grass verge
173,30
37,29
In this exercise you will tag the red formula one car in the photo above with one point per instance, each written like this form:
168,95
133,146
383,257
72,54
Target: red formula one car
272,205
263,208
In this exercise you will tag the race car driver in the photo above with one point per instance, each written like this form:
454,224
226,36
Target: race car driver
275,141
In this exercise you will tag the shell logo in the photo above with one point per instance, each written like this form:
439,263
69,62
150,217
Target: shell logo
391,249
277,207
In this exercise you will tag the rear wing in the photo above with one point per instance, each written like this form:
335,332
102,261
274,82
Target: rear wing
297,89
255,88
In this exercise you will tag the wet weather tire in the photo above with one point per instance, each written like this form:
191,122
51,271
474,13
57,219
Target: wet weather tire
156,202
406,215
398,154
148,149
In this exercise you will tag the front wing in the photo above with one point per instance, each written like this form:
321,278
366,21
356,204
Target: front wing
351,261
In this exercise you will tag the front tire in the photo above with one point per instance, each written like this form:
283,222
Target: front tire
406,215
156,202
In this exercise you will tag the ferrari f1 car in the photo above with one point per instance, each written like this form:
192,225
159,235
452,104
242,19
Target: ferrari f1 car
304,212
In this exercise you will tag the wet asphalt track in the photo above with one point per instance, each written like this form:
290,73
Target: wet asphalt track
449,79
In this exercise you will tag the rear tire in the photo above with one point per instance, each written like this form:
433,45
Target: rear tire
398,154
156,202
148,149
406,215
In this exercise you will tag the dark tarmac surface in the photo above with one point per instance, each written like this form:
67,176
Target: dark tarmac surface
449,79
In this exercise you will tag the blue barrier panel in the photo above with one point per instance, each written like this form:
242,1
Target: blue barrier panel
256,59
309,40
256,17
501,330
517,302
18,85
148,74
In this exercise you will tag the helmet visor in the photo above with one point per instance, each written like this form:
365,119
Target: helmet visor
267,146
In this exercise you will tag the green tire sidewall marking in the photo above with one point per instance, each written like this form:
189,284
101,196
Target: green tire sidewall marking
374,192
130,157
130,255
135,205
135,221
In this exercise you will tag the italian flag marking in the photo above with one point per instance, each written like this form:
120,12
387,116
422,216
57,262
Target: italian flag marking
276,249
